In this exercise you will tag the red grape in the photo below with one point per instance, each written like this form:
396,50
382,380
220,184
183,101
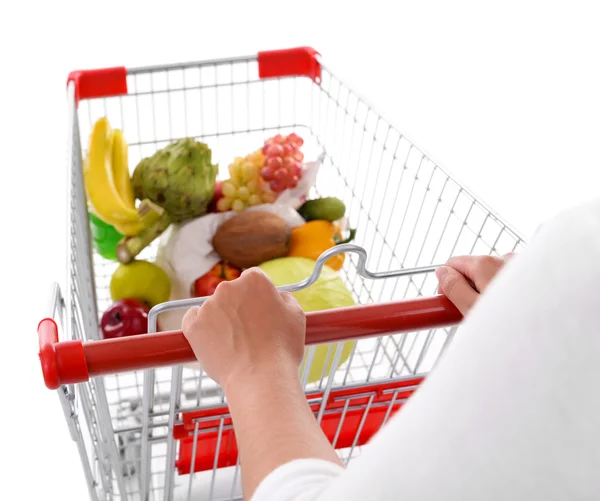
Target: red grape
274,163
289,163
283,162
266,173
274,150
288,148
276,186
296,139
280,175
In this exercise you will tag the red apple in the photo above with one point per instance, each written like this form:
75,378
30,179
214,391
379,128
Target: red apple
126,317
218,194
206,284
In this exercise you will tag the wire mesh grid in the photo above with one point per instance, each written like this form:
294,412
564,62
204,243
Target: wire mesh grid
408,212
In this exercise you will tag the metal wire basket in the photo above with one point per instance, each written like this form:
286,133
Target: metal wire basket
152,428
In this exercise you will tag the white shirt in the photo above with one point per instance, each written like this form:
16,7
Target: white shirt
511,411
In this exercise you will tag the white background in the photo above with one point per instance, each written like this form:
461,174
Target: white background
505,95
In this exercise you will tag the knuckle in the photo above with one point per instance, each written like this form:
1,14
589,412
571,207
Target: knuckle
219,292
225,289
253,274
456,259
223,286
486,263
258,278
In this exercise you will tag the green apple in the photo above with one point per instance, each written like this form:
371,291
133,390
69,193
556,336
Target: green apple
141,280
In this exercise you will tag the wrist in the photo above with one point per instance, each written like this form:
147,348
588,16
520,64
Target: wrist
260,377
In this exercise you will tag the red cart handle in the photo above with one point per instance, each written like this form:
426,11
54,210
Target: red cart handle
69,362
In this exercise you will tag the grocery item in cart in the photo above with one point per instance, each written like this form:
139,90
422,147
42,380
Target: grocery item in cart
329,291
315,237
125,317
207,284
108,185
181,179
110,199
251,238
105,237
141,280
244,188
186,252
283,162
325,209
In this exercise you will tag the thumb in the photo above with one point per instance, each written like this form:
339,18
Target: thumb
456,288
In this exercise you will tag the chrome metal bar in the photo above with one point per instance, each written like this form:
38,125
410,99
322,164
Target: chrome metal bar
174,405
146,447
193,463
390,407
360,427
327,392
196,64
307,282
340,424
216,461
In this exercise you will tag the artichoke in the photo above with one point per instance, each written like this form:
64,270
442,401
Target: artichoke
180,178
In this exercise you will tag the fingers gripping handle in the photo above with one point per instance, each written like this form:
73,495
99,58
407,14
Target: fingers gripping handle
73,361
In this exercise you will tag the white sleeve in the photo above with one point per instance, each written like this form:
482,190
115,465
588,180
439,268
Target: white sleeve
512,410
299,480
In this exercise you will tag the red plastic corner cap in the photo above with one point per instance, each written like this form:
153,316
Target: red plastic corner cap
48,336
62,363
300,61
104,82
72,363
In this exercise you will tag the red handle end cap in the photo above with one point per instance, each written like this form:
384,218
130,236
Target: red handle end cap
48,336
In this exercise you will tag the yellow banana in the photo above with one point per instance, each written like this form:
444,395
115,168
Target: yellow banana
120,168
99,180
148,212
129,229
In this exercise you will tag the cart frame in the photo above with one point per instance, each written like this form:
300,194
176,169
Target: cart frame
117,467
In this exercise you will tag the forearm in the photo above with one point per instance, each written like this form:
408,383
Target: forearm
273,424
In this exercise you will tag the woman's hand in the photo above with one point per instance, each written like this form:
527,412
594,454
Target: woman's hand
246,326
464,278
249,338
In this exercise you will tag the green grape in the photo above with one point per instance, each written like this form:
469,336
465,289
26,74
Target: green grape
254,199
229,190
224,204
243,193
238,205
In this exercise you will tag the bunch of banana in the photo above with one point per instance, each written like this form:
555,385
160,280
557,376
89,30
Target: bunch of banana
108,184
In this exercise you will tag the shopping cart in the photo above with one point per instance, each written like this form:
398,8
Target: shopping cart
148,426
